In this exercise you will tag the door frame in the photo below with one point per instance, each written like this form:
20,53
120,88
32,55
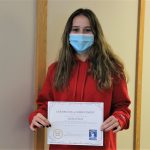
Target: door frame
41,49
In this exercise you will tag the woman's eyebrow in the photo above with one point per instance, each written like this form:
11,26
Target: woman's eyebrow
82,27
88,27
75,26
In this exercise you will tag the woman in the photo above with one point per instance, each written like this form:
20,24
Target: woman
87,70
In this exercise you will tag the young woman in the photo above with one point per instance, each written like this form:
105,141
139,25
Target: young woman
87,70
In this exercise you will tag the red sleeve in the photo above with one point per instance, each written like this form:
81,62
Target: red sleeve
45,95
120,103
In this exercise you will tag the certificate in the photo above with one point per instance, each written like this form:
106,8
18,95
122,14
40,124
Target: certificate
75,123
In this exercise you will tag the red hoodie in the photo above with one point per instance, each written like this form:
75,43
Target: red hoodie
83,88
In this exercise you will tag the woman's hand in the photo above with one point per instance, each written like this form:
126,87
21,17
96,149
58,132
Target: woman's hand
39,121
111,123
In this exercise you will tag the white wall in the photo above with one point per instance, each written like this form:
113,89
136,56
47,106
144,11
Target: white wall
17,44
145,112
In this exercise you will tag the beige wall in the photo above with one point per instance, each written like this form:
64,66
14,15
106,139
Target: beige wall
119,22
145,115
17,40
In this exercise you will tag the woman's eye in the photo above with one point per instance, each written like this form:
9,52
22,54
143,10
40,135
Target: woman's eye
75,30
88,30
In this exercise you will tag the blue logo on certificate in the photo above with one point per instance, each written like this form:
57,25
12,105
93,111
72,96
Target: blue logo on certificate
92,134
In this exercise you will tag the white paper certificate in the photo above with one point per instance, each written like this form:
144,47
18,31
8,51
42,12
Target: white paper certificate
75,123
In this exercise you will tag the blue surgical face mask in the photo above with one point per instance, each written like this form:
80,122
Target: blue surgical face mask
81,42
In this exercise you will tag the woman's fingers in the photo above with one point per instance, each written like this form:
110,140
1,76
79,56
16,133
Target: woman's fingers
32,127
43,120
39,121
117,129
111,123
107,123
112,126
38,124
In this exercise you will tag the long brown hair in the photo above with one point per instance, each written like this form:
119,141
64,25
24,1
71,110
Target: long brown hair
104,64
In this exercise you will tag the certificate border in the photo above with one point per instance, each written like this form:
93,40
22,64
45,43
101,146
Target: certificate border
97,104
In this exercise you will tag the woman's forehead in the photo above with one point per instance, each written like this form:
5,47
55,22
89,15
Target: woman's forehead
81,20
